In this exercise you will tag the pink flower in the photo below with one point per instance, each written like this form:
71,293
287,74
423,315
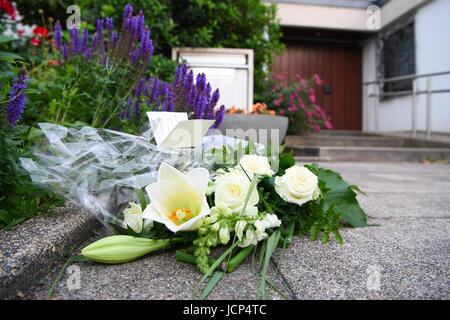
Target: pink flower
292,108
35,41
328,125
281,112
317,128
317,78
312,95
318,108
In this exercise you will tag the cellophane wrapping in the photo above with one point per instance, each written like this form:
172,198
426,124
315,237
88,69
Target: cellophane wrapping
100,169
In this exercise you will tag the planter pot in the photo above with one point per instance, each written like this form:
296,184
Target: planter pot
260,128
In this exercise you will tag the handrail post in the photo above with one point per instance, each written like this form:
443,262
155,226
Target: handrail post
429,110
377,107
414,109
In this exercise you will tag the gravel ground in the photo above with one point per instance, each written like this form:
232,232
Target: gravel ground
405,257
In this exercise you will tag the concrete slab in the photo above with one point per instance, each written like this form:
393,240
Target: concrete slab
156,277
406,257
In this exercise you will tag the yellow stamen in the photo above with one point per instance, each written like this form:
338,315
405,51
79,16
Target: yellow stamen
180,214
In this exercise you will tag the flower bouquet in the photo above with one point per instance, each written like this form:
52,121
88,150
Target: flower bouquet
226,192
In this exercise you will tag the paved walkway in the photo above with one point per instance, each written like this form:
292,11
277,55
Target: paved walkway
406,257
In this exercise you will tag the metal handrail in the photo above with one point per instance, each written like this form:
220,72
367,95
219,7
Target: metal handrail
414,92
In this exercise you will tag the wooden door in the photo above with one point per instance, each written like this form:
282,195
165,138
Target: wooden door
339,67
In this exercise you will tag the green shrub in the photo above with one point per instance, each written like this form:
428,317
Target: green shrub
197,23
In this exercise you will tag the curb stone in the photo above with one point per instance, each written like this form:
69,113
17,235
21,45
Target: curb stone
32,249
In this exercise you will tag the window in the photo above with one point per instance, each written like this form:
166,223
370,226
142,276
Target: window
397,55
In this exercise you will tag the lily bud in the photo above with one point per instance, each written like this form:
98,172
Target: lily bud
121,248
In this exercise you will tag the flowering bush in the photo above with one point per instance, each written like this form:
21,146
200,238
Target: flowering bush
103,79
19,199
297,100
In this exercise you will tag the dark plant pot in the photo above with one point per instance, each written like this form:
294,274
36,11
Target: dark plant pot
260,128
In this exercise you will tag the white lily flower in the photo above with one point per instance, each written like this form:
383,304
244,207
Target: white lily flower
178,200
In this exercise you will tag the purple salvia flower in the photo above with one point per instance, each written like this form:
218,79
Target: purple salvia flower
128,11
201,82
140,24
201,106
65,52
155,91
134,26
126,110
145,42
134,56
17,100
219,116
212,103
139,88
74,41
138,93
188,82
168,105
177,75
58,35
109,26
84,41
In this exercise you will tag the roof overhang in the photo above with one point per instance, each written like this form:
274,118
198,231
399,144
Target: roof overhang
341,18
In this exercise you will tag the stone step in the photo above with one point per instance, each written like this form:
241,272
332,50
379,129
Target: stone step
344,141
372,154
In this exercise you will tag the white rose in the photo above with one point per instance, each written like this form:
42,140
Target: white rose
297,185
232,189
256,164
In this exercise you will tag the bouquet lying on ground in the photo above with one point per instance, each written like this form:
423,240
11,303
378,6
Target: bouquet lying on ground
236,194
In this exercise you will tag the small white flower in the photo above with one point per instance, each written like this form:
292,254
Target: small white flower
250,239
132,217
224,235
271,221
239,228
297,185
256,164
259,232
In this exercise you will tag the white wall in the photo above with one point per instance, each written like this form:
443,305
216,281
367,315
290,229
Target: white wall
432,27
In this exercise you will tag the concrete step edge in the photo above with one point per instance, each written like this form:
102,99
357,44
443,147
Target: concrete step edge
32,249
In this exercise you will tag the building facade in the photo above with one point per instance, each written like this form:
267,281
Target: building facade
351,43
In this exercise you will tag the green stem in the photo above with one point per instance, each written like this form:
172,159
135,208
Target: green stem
237,259
182,256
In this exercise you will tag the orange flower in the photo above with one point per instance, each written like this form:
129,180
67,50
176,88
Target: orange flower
232,110
272,112
53,63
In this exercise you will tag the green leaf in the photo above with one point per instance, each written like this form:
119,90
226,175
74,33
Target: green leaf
272,243
4,39
9,55
211,284
342,196
141,196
